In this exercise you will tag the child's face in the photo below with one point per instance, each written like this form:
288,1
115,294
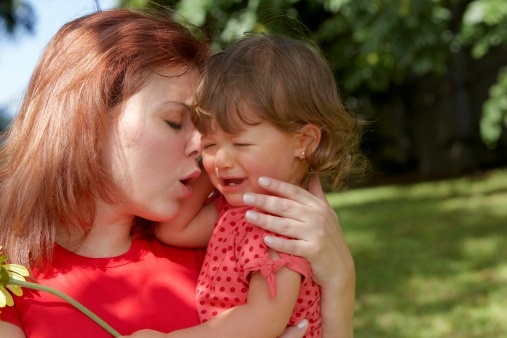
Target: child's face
235,162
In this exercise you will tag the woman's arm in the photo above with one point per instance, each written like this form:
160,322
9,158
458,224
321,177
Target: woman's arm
193,234
307,217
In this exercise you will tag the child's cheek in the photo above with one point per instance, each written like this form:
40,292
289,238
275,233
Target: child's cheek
207,162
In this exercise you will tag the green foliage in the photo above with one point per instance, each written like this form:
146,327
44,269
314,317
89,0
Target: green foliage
484,28
429,257
370,44
494,113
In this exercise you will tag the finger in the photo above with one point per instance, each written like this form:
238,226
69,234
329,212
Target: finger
315,187
286,190
275,205
297,331
288,246
280,225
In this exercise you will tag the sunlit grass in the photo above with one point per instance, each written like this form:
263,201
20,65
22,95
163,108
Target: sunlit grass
431,258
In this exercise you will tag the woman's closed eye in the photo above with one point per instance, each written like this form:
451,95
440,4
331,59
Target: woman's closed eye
174,125
241,145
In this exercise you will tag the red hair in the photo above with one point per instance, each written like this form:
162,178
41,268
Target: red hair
50,170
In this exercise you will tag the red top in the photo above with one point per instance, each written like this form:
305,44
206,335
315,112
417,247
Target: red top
236,249
152,286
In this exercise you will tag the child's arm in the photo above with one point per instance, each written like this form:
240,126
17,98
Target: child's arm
189,234
194,225
262,316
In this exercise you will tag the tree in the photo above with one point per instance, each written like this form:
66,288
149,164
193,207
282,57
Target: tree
16,15
4,119
485,28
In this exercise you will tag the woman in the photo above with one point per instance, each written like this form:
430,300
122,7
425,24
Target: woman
101,150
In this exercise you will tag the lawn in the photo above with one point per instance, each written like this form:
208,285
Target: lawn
430,258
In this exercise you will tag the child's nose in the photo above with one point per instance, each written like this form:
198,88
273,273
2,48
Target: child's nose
222,159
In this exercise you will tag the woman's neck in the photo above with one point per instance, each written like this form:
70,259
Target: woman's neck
109,236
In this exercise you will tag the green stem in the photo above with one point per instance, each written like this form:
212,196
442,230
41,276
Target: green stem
69,299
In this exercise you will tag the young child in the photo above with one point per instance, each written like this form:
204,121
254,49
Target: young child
266,106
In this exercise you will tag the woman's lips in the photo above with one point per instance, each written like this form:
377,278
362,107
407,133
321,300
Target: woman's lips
186,182
186,188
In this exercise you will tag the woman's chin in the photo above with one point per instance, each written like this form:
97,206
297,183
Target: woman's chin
166,215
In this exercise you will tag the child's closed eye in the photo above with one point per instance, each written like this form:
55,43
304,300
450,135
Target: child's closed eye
241,145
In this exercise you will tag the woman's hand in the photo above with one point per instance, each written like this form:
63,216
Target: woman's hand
307,217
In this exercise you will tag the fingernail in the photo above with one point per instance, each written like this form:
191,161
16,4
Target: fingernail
248,198
264,181
269,240
302,324
251,215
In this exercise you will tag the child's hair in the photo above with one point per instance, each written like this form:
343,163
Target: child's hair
287,83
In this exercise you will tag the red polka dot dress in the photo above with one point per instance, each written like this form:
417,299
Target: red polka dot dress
235,250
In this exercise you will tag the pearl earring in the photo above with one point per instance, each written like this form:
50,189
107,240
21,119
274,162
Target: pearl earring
302,156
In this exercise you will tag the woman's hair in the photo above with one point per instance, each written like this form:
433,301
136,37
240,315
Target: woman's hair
285,82
50,166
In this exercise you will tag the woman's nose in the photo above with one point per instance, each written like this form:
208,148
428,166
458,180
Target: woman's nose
193,147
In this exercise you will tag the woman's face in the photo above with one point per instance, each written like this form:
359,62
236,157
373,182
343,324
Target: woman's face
152,149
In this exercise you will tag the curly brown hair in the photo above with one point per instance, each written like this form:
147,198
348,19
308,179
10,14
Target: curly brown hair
288,83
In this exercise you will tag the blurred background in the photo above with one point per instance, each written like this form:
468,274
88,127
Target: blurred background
428,80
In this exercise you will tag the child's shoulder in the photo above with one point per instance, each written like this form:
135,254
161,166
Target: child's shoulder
223,207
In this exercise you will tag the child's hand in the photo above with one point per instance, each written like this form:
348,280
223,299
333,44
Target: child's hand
153,334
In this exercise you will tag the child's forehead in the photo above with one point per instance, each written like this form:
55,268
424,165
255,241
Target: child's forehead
236,119
250,133
234,126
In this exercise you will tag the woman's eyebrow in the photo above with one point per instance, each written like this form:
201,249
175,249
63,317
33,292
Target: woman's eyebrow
183,105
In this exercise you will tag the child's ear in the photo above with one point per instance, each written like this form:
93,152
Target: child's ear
308,139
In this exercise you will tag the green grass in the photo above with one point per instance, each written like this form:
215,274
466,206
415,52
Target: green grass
431,258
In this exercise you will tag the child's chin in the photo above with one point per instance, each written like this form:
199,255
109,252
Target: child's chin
236,201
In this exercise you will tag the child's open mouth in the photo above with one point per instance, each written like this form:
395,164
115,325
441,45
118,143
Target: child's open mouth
231,182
